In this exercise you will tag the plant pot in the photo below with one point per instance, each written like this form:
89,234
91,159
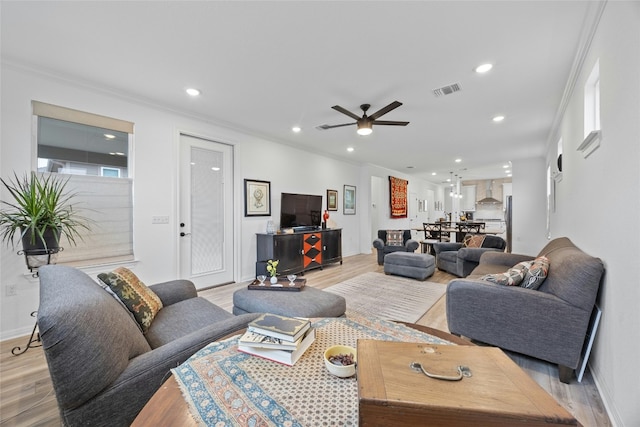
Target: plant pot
273,280
31,243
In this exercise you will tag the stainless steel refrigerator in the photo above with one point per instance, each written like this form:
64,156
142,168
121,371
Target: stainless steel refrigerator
508,221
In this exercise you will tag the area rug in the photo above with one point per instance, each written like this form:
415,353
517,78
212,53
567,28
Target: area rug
388,297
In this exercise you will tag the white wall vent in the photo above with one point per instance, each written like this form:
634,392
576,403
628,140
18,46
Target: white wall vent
447,90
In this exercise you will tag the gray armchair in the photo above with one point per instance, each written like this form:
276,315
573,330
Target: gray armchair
549,323
458,260
408,244
103,369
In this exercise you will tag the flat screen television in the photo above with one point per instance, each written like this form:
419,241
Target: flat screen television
300,210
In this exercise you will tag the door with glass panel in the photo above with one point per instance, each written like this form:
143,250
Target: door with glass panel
205,224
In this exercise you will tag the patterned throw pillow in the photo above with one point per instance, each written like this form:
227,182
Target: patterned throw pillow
139,299
512,277
394,238
473,241
536,273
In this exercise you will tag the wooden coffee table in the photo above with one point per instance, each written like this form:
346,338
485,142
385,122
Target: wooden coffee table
168,407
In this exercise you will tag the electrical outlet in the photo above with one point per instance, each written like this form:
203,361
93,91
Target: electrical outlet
164,219
11,290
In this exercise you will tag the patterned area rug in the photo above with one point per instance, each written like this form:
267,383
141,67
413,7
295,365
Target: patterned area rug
388,297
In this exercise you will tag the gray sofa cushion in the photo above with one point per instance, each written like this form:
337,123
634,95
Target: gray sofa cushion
182,318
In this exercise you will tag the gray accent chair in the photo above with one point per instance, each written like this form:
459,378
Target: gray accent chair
549,323
453,258
408,244
103,369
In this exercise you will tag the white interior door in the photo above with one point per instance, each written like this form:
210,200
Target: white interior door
206,211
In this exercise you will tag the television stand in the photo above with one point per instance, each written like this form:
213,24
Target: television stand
299,251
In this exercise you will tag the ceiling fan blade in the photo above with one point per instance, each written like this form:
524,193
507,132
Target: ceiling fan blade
385,110
389,123
345,111
324,127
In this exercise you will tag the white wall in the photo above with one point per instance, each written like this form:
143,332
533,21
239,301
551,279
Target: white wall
598,201
529,206
155,189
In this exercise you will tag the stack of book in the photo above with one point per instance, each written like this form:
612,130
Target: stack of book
279,338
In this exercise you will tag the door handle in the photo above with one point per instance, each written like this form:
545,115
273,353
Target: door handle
182,234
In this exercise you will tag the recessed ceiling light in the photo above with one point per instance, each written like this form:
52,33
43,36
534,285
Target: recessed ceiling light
483,68
350,149
505,166
193,92
215,168
498,118
433,174
507,171
109,136
296,129
458,160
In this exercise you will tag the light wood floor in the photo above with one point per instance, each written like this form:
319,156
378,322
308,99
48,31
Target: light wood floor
27,399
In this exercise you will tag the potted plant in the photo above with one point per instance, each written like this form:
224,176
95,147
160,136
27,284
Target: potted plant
42,212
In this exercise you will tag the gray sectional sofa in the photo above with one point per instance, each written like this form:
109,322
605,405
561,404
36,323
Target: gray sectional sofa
549,323
103,369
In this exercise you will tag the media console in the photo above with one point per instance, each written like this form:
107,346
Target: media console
299,251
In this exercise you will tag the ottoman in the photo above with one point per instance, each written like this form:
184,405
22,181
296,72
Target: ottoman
409,264
308,302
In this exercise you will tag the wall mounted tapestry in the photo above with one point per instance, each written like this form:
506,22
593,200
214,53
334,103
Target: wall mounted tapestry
398,197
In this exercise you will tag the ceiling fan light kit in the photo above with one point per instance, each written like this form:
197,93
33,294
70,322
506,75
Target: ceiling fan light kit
365,123
364,129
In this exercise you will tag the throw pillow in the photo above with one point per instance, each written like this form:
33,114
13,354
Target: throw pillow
536,273
139,299
394,238
473,241
512,277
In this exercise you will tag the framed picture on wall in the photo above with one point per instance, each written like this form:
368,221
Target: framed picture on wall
349,202
332,200
257,198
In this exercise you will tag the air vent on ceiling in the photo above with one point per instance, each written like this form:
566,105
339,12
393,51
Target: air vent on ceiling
447,90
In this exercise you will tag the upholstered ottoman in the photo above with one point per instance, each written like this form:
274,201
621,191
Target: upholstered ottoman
410,264
308,302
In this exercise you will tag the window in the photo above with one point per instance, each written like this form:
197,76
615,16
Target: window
592,101
591,113
94,152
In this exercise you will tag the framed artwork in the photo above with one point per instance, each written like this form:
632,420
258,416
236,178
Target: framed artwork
332,200
349,202
257,198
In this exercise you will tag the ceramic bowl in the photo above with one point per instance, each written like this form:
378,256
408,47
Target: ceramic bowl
340,370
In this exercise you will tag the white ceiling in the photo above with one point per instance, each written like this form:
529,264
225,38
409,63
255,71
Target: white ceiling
265,66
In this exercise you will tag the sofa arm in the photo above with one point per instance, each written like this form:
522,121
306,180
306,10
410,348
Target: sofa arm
503,258
174,291
446,246
378,244
412,245
474,254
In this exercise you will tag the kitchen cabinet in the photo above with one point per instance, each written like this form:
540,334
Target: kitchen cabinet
468,198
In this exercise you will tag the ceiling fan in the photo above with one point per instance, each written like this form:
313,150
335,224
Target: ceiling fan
365,123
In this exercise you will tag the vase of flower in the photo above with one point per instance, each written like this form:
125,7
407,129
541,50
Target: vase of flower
272,269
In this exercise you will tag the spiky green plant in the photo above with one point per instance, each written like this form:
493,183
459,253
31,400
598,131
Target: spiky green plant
40,204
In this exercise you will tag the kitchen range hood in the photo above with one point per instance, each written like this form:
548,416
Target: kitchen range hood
489,200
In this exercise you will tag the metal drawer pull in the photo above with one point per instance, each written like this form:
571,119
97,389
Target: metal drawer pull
463,371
